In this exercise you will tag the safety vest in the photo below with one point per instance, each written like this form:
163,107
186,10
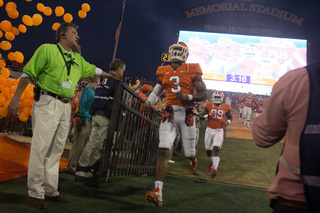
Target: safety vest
310,142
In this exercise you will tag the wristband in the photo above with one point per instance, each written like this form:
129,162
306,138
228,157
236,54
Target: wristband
15,99
190,97
229,121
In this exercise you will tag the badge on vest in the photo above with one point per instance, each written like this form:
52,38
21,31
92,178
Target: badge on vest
66,84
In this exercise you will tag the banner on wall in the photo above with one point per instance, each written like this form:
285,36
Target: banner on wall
244,17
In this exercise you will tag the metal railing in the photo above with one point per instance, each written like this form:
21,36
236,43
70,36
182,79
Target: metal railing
133,136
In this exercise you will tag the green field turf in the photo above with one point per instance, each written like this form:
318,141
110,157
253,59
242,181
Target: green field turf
244,174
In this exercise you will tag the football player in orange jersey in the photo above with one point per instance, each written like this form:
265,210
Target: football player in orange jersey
179,81
247,109
215,111
259,107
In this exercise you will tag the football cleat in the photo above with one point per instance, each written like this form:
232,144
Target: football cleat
214,173
154,197
193,164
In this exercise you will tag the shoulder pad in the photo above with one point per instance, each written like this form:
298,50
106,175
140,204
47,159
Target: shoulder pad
162,69
194,68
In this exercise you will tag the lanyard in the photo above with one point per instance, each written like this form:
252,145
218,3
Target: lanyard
68,64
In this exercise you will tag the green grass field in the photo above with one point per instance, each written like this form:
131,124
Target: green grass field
245,173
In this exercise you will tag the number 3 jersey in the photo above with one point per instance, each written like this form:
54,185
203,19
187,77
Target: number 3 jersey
216,114
179,80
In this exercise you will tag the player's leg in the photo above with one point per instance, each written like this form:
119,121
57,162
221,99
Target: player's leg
244,115
188,136
217,144
167,134
249,117
208,144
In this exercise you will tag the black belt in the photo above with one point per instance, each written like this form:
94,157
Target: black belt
64,100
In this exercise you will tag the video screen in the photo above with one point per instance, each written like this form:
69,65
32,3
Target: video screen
242,63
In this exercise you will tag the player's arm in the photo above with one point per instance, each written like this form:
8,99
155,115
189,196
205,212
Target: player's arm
229,116
229,119
200,88
204,114
154,95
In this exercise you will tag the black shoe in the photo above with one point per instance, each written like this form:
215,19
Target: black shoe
36,202
59,198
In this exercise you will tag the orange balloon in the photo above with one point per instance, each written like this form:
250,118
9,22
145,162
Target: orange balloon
2,100
5,72
9,81
10,36
82,14
22,28
27,102
14,82
27,110
5,45
6,26
1,3
40,7
47,11
59,11
37,19
2,63
11,5
13,89
15,31
85,7
27,20
5,91
29,94
1,33
55,26
28,0
2,80
67,17
12,56
6,104
29,88
19,57
13,13
23,116
3,112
